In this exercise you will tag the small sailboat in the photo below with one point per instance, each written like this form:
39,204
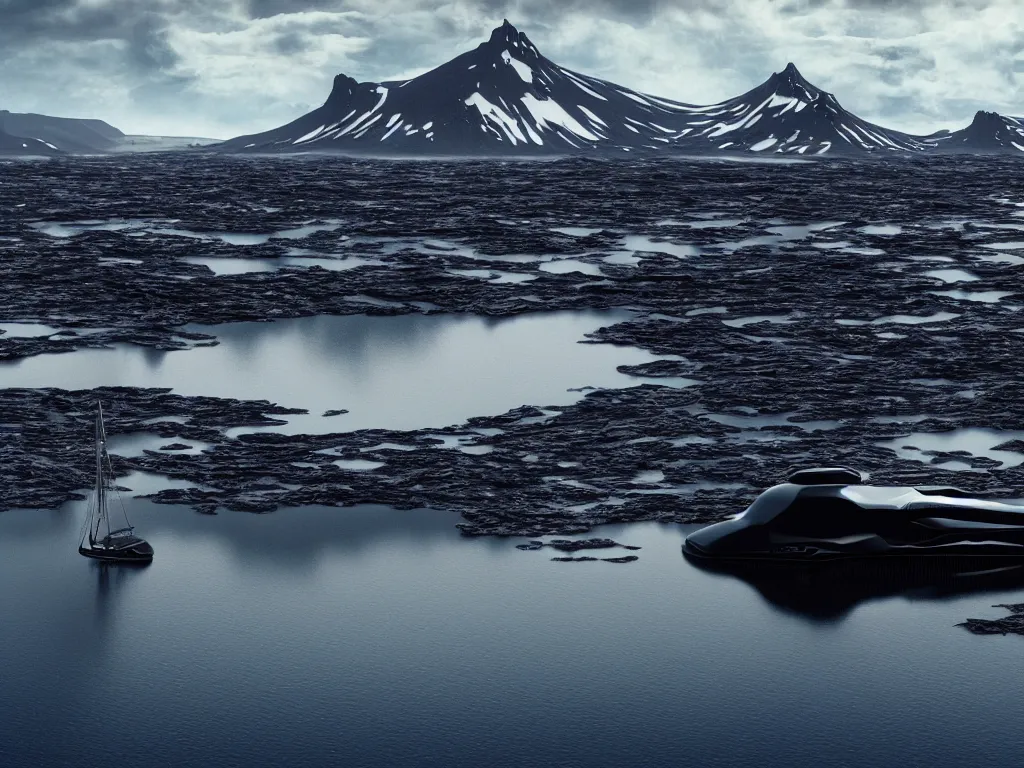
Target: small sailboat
120,545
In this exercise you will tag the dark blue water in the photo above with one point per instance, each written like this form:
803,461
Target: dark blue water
370,637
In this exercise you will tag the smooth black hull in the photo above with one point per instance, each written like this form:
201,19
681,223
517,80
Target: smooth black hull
114,556
827,514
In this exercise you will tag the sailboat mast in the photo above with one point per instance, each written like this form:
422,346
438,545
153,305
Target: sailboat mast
100,497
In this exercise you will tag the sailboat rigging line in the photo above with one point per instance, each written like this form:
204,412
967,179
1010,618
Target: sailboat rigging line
120,500
87,523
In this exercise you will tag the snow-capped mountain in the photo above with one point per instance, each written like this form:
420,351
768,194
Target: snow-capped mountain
989,132
789,115
506,98
503,97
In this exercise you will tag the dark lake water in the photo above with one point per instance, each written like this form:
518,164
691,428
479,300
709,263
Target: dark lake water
403,372
370,637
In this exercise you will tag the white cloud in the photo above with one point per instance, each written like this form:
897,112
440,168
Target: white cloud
208,68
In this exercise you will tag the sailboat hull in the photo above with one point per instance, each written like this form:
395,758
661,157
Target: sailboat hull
134,555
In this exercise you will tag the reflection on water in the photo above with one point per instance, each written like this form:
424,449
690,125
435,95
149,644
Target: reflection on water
404,372
26,330
831,591
373,637
221,265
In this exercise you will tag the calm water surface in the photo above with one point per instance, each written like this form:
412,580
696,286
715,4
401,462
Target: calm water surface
370,637
405,372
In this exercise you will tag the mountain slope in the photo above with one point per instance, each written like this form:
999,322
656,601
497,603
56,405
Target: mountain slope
66,134
17,145
789,115
989,132
502,97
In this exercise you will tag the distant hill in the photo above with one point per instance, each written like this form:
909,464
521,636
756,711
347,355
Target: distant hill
989,132
17,145
63,134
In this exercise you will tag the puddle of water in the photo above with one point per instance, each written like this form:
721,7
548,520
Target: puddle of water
952,275
679,442
134,444
708,311
881,229
509,278
714,223
247,238
403,372
643,244
688,489
68,229
565,266
173,419
1013,227
358,465
575,231
751,242
900,419
1003,258
26,330
776,420
918,257
463,443
803,231
388,447
111,260
977,441
649,477
159,227
938,317
985,297
228,266
143,483
625,258
740,322
859,251
1013,245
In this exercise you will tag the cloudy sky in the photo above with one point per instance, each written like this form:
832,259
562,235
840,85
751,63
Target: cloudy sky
220,68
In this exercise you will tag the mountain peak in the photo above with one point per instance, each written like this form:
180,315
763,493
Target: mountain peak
507,36
791,76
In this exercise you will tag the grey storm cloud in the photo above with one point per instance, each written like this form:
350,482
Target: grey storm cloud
224,67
